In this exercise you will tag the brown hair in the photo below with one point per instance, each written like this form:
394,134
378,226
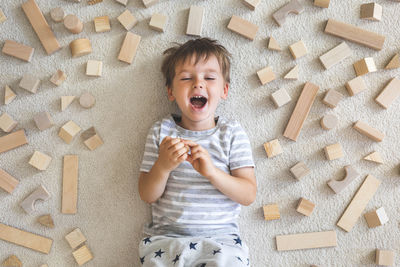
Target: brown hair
202,48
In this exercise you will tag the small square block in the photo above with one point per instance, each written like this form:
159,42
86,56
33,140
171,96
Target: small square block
280,97
266,75
127,20
2,16
158,22
122,2
29,83
94,68
75,238
58,78
305,207
298,49
355,86
300,170
333,151
102,24
40,160
82,255
68,131
273,148
371,11
7,123
384,257
91,139
322,3
332,98
364,66
252,4
43,121
271,212
376,217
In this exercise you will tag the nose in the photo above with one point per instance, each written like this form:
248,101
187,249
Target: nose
198,84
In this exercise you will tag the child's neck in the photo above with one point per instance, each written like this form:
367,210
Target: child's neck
188,124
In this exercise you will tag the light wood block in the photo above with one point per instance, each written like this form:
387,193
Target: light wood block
70,185
333,151
292,7
371,11
384,257
29,83
129,47
7,182
94,68
271,212
305,207
329,122
46,220
300,112
369,131
12,261
122,2
374,157
322,3
280,97
389,94
39,24
40,160
91,139
243,27
40,193
68,131
102,24
376,217
127,20
355,86
149,3
335,55
43,121
7,124
306,241
2,16
293,74
394,63
364,66
252,4
93,2
273,148
300,170
57,14
158,22
355,34
12,140
73,24
332,98
44,265
273,44
266,75
75,238
82,255
58,78
18,50
66,101
358,203
338,186
9,95
80,47
195,21
298,49
87,100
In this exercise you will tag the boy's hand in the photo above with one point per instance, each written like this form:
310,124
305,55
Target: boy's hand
173,152
200,159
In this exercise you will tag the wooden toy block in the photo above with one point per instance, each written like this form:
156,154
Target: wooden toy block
12,140
9,95
25,239
28,204
70,184
306,241
369,131
127,20
322,3
298,49
394,63
40,160
94,68
273,148
355,34
58,78
158,22
68,131
18,50
300,170
87,100
292,7
329,122
305,207
7,182
364,66
338,186
39,24
66,101
293,74
2,16
335,55
355,86
300,112
243,27
358,203
332,98
371,11
43,121
75,238
129,47
122,2
252,4
93,2
389,94
280,97
102,24
374,157
57,14
266,75
91,139
80,47
195,21
271,212
46,220
148,3
82,255
29,83
376,217
7,124
73,24
44,265
384,257
333,151
12,261
273,44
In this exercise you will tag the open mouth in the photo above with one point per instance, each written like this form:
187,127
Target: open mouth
198,101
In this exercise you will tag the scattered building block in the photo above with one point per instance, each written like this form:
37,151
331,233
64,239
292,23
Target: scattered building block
66,101
384,257
266,75
80,47
75,238
68,131
93,2
129,47
333,151
73,24
28,204
376,217
280,97
127,20
2,16
243,27
273,148
273,44
29,83
371,11
389,94
292,7
329,122
369,131
332,98
293,74
306,241
355,34
122,2
102,24
12,140
12,261
148,3
87,100
355,86
91,139
374,157
58,78
44,265
335,55
46,220
195,21
338,186
322,3
43,121
18,50
7,182
364,66
82,255
271,212
7,124
40,160
394,63
70,185
358,203
298,49
300,170
57,14
252,4
305,207
94,68
158,22
301,111
9,95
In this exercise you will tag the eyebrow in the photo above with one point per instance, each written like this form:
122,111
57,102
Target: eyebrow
207,70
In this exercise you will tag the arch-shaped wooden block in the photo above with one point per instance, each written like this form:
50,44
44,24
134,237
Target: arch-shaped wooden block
39,194
338,186
292,7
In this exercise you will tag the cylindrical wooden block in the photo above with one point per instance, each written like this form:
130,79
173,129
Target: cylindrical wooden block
329,121
73,24
87,100
57,14
80,47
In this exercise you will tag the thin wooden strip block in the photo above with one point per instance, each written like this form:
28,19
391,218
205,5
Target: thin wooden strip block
7,182
306,241
355,34
243,27
195,21
12,140
358,203
129,47
301,111
369,131
389,94
335,55
25,239
18,50
39,24
70,185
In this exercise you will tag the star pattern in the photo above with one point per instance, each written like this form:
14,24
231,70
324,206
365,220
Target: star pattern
238,241
142,260
176,258
216,251
147,240
158,253
193,245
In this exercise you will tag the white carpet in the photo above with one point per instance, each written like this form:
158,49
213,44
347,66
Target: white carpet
131,97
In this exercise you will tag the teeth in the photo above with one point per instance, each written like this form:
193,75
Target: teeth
198,96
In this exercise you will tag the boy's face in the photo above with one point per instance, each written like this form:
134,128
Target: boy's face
197,89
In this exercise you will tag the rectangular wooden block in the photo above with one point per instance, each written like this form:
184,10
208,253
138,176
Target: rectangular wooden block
389,94
364,66
12,140
369,131
335,55
129,47
94,68
102,24
70,185
252,4
195,21
271,212
7,182
18,50
322,3
75,238
148,3
306,241
243,27
82,255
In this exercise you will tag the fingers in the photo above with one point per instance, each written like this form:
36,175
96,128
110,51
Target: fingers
189,143
180,152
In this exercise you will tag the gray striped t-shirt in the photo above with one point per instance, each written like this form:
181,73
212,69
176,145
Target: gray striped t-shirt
190,204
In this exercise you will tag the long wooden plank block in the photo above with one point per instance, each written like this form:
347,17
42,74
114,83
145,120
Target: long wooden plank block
25,239
358,203
18,50
12,140
389,94
335,55
129,47
70,185
306,241
195,20
243,27
7,182
39,24
355,34
369,131
301,111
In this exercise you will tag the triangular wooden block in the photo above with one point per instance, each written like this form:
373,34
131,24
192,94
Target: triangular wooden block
293,74
9,95
12,261
374,157
394,62
66,101
46,220
273,44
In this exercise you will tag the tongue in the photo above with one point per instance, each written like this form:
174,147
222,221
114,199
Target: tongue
198,103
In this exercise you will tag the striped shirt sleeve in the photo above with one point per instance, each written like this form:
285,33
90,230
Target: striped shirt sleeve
240,154
151,148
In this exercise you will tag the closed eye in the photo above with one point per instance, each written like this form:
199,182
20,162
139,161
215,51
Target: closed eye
210,78
185,79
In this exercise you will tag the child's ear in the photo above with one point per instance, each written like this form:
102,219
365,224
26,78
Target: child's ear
225,92
171,96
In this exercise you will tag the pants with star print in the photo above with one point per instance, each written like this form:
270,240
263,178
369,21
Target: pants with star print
215,251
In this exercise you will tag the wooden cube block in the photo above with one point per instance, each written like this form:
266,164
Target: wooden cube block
371,11
376,217
364,66
305,207
389,94
122,2
252,4
82,255
355,86
280,97
332,98
9,95
91,139
333,151
329,122
58,78
384,257
68,131
102,24
158,22
29,83
266,75
273,148
43,120
148,3
40,160
300,170
127,20
271,212
66,101
94,68
322,3
298,49
75,238
7,124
